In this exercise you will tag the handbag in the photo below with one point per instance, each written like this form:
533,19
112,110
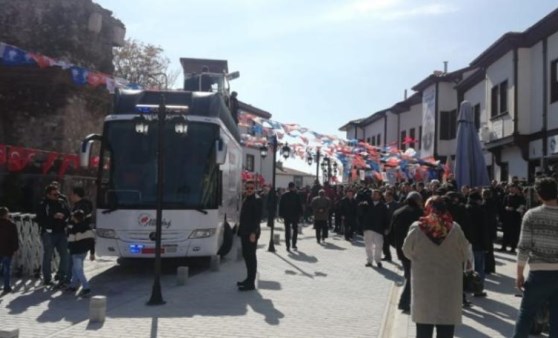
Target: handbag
472,282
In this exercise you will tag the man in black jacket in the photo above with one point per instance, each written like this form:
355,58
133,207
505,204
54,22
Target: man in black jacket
480,234
249,233
290,209
400,223
348,210
9,244
52,217
391,205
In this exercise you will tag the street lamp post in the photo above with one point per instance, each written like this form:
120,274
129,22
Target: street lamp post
309,159
156,294
272,198
142,127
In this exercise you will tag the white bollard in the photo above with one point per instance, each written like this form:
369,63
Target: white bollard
9,333
257,282
300,229
239,255
97,309
181,275
215,262
276,239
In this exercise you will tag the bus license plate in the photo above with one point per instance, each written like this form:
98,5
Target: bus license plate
170,248
151,250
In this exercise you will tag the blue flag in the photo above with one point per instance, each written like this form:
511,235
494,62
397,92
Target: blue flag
79,75
14,56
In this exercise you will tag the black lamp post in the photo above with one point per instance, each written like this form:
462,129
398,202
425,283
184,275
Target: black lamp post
142,127
309,159
326,168
272,198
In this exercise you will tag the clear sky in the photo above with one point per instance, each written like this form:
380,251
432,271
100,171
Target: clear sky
321,63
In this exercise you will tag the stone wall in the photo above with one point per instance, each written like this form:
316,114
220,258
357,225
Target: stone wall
42,108
78,31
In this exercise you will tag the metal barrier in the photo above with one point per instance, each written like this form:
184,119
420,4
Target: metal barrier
28,259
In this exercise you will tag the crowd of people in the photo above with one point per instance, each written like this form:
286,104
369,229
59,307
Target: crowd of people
64,227
438,232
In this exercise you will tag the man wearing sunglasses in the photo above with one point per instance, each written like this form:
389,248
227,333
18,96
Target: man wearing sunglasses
249,232
52,216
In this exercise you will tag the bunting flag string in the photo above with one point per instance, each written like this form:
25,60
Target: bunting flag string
17,159
14,56
369,160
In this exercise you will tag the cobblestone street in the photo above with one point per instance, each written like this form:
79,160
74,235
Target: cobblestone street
319,291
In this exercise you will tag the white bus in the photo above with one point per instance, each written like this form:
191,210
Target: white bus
202,176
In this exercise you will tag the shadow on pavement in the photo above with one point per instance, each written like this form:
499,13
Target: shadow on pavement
332,246
302,257
269,285
154,327
94,326
304,273
388,274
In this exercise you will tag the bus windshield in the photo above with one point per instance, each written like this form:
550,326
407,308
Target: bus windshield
129,167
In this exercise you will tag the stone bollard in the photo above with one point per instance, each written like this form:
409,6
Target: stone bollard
276,239
215,262
97,309
239,255
181,275
257,282
300,229
9,333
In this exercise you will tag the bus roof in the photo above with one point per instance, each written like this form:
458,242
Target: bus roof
198,103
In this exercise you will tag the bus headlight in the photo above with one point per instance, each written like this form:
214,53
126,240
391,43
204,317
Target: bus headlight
202,233
106,233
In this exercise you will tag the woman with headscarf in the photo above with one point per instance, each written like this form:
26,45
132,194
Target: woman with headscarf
438,250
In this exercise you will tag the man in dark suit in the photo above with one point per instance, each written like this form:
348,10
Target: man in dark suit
401,221
290,209
348,210
391,205
249,232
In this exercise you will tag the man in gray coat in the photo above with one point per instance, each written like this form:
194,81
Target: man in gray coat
321,206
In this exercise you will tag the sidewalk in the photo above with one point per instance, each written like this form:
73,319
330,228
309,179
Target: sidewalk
493,316
319,291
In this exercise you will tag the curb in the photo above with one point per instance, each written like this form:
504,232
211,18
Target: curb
388,318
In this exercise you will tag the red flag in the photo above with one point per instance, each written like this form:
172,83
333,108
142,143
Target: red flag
95,162
69,160
16,159
41,60
2,154
408,140
51,157
95,79
29,155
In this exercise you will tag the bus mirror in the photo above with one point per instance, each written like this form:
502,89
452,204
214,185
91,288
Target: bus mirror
220,152
85,149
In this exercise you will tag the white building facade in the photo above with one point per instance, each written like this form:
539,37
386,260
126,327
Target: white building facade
513,88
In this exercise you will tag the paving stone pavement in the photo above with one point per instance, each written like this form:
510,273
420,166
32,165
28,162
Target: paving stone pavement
490,317
319,291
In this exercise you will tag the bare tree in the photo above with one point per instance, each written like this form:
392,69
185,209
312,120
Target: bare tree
144,64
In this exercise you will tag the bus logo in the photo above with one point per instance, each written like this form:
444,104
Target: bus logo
145,220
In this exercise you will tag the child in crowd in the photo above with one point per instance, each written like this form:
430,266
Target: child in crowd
81,240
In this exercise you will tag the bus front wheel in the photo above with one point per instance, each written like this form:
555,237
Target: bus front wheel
228,237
